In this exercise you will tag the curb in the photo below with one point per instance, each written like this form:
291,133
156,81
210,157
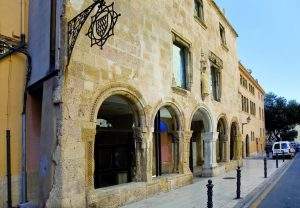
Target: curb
254,198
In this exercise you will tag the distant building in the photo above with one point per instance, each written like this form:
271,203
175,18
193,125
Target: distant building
252,109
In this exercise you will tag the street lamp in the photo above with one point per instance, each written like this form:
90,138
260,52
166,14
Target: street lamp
248,121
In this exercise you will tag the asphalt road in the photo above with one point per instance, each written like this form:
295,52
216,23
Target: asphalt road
286,193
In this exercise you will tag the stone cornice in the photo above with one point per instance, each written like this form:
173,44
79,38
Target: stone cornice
217,8
250,77
215,60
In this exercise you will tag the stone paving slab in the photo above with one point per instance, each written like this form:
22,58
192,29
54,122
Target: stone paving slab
194,195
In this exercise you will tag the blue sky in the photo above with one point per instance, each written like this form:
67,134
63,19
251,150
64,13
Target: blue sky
269,41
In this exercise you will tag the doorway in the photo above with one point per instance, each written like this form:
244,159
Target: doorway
114,150
165,143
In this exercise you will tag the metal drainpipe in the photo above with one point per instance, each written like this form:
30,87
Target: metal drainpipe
8,168
24,162
24,150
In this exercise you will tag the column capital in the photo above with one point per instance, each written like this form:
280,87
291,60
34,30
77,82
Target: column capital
139,134
210,136
223,137
187,135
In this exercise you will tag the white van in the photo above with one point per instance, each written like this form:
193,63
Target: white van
283,148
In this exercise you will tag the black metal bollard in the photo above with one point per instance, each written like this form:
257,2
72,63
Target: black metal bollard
276,160
238,182
282,156
265,167
209,194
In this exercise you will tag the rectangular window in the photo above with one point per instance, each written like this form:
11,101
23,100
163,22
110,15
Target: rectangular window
260,132
251,89
259,113
180,54
244,83
242,101
222,35
216,83
252,108
199,12
245,104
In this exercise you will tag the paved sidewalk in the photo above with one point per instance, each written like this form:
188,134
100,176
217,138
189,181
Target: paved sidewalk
194,195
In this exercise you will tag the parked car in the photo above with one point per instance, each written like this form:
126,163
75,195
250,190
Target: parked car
283,148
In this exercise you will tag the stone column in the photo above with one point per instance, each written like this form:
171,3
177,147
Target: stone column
201,153
184,150
210,163
143,153
239,146
187,135
225,149
88,136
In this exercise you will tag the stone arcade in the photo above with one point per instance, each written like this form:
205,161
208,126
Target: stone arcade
156,107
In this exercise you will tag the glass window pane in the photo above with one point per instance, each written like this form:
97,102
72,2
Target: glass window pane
284,146
179,64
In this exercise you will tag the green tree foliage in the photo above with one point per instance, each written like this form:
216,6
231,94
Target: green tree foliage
281,117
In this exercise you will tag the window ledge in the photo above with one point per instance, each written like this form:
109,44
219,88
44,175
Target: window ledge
180,90
224,47
200,22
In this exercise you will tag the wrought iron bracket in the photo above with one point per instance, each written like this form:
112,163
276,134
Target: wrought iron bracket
9,46
101,27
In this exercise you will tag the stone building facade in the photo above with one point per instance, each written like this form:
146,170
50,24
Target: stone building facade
252,113
156,106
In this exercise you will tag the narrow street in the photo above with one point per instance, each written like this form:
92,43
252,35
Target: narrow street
286,193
